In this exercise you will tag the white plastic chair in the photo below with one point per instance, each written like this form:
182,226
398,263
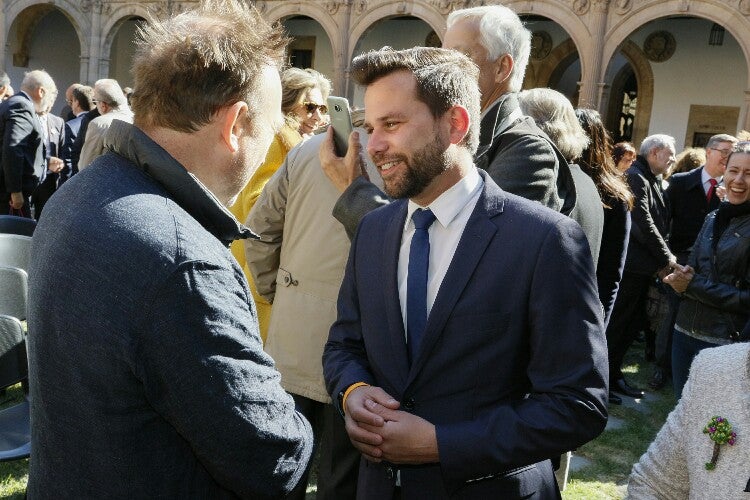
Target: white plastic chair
14,292
15,251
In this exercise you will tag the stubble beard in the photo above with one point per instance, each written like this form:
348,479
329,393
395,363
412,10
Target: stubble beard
424,165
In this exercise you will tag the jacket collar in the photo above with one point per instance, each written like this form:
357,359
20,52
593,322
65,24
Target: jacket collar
492,118
641,164
185,189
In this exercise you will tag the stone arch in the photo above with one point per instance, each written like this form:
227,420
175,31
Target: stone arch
420,10
544,69
645,78
30,13
115,20
721,13
314,11
577,30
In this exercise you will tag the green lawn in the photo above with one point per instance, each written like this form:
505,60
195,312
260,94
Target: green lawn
611,455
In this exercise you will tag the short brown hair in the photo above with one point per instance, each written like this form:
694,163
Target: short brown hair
445,78
189,66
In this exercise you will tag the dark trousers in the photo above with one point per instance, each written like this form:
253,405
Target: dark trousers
338,463
684,349
626,319
664,335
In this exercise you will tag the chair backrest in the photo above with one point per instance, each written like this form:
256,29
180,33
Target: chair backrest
14,292
14,365
12,224
15,251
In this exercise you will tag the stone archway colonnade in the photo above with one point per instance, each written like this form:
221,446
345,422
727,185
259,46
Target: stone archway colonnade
598,28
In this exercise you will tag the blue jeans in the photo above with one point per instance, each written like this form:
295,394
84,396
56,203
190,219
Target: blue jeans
684,349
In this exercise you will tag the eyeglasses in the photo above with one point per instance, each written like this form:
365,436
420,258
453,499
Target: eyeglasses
723,152
310,107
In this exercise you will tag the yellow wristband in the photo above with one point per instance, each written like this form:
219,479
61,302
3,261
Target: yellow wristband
348,391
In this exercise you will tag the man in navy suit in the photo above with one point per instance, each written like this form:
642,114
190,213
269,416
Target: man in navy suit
468,350
22,147
81,102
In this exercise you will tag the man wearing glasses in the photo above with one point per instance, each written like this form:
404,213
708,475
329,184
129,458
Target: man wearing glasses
691,196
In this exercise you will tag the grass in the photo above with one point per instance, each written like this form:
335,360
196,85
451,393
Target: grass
611,455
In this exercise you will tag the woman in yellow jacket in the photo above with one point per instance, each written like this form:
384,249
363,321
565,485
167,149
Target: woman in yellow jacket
304,93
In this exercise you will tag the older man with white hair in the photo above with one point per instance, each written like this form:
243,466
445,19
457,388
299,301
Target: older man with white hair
21,142
112,104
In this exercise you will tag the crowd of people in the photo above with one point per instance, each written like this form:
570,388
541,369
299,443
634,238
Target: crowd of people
442,312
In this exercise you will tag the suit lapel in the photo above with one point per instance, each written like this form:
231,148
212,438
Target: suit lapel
477,235
396,332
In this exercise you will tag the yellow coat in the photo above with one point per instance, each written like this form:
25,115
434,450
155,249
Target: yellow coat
285,140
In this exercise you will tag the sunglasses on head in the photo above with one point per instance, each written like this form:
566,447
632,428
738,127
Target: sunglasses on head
310,107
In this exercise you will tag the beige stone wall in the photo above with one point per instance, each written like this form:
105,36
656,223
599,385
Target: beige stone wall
597,28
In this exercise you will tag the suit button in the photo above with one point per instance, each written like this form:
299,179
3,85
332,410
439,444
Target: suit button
409,404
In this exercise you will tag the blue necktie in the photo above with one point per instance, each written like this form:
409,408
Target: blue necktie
416,280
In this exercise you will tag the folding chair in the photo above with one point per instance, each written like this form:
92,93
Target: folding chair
12,224
15,251
13,292
15,428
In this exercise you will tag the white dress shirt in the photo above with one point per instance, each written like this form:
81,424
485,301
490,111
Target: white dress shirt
452,210
706,178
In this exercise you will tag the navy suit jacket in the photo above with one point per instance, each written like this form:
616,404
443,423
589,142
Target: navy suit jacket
512,367
688,209
72,127
21,147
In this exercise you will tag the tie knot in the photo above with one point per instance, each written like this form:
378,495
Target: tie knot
423,219
713,182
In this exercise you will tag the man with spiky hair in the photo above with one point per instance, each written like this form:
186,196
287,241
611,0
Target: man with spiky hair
459,370
148,377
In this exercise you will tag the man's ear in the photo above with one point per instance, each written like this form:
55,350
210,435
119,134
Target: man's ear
503,68
233,121
459,123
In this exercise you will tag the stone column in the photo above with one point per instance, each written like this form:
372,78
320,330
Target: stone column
3,37
745,112
342,12
95,39
590,92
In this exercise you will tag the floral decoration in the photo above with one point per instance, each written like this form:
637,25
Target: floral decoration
719,430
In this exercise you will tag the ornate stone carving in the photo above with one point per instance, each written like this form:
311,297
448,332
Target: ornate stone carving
541,45
360,6
601,5
659,46
623,6
332,6
580,7
745,7
447,6
261,6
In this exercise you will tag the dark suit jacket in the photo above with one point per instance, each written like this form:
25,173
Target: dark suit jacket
521,159
512,367
55,146
21,147
588,210
615,236
75,148
72,127
647,249
687,209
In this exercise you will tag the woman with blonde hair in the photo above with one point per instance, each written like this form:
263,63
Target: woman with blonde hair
304,93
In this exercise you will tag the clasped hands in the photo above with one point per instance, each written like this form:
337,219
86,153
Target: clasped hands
380,431
679,278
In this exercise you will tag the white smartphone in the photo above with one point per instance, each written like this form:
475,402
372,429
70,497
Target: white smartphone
341,121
